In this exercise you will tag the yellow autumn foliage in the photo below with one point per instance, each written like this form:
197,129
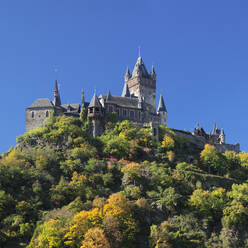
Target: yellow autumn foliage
95,238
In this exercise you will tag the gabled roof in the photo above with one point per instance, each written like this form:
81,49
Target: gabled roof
139,69
72,106
125,91
161,105
95,102
42,103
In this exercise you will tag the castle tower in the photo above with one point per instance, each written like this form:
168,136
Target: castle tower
95,113
141,83
162,112
222,137
56,99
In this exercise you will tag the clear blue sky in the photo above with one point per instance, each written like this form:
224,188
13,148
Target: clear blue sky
199,50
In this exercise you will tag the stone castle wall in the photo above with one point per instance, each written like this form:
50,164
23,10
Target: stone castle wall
36,117
201,142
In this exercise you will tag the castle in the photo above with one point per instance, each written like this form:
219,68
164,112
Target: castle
137,103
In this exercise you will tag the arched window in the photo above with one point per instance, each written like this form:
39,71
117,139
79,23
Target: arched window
32,114
47,114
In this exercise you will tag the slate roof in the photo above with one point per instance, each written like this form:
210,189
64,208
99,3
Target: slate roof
128,102
140,69
95,102
74,106
42,103
161,105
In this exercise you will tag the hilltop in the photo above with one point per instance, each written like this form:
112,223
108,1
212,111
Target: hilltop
61,187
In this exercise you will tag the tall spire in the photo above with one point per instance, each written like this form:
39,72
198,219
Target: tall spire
125,91
109,96
197,126
127,75
56,100
153,73
161,105
82,98
215,128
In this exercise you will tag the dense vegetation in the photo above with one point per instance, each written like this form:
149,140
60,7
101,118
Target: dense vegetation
62,188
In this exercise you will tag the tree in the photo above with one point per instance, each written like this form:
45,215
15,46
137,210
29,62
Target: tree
159,236
209,203
95,238
213,161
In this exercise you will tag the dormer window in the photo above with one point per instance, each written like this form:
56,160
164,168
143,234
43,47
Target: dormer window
91,110
97,110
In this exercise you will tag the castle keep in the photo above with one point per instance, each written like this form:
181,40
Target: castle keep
137,103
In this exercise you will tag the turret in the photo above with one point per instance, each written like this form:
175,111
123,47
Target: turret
82,99
222,137
162,111
197,126
95,113
125,91
127,75
56,99
216,130
109,96
153,73
95,107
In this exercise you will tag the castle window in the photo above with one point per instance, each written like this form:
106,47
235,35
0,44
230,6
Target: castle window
47,114
124,112
139,115
97,110
131,114
32,114
118,112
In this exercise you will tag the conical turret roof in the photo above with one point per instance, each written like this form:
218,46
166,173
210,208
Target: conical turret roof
125,91
127,75
109,96
161,105
95,102
139,69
